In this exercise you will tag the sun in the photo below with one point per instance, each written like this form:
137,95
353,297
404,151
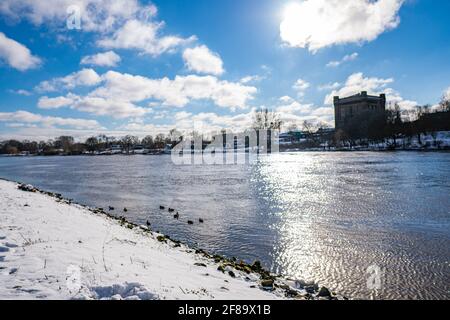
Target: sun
291,26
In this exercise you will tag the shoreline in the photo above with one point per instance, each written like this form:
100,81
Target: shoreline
46,222
288,151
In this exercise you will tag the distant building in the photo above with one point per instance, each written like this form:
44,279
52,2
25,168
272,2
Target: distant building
345,109
292,137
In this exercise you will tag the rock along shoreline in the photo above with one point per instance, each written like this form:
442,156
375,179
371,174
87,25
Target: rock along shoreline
253,276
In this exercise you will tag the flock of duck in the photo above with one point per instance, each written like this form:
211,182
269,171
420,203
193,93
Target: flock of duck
177,215
170,210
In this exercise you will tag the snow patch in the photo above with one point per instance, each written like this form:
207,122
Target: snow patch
127,291
70,252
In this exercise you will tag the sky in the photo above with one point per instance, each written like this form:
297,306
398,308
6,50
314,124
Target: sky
88,67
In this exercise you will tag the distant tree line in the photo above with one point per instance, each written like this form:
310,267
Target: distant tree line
68,146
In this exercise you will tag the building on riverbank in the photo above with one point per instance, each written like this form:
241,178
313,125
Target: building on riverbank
348,109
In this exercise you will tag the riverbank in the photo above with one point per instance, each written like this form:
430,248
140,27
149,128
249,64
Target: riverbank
436,142
51,248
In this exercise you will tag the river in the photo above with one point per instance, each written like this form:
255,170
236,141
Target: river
365,224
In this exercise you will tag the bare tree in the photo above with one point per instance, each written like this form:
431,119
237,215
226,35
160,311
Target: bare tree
175,135
91,144
309,127
128,142
444,105
160,141
265,119
148,142
65,142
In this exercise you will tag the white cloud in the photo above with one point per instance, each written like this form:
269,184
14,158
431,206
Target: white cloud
252,79
96,15
329,86
123,24
356,83
84,77
21,92
143,36
202,60
447,93
315,24
54,103
17,55
286,99
293,112
346,58
117,94
323,112
177,92
29,118
294,108
267,71
117,108
105,59
301,86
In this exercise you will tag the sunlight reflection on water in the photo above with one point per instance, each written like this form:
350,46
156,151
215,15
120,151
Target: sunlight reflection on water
320,216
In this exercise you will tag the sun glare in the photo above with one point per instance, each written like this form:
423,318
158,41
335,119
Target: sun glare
291,25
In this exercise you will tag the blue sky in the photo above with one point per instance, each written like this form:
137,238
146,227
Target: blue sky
141,67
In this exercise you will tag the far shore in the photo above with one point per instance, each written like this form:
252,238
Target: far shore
294,150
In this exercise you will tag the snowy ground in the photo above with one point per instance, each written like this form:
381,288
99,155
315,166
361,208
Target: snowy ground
53,250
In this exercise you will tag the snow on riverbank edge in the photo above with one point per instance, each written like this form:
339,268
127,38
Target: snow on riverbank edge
51,248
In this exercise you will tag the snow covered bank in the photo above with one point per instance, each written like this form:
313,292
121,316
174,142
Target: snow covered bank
52,249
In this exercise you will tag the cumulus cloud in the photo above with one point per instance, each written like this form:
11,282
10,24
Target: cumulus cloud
105,59
286,99
357,82
28,118
54,103
84,78
202,60
122,24
295,108
116,108
16,54
315,24
117,94
301,86
96,15
143,36
329,86
346,58
293,112
177,92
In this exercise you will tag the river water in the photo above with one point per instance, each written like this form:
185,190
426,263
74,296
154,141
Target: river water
367,225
